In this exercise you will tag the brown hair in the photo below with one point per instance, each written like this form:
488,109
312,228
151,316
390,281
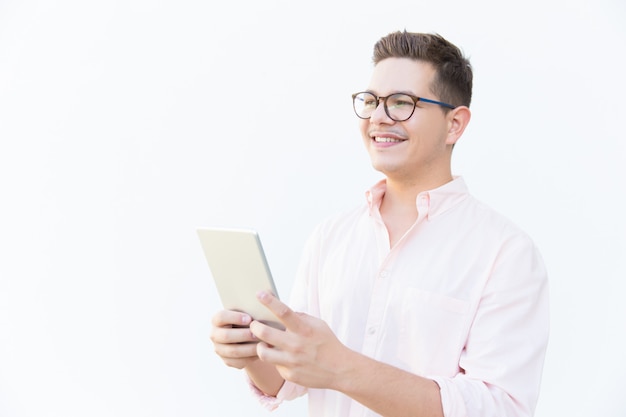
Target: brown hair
453,82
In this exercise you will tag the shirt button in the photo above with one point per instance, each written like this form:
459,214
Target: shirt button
384,274
371,330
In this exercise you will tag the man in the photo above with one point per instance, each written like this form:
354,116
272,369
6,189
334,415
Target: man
421,302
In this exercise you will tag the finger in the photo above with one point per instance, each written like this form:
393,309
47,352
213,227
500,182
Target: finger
236,350
268,334
284,314
238,355
228,335
268,353
230,318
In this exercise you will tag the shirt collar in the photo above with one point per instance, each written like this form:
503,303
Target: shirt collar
435,201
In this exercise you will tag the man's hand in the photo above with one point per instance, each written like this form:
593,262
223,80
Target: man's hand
232,338
306,352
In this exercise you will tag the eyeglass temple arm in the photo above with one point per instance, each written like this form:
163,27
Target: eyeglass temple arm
426,100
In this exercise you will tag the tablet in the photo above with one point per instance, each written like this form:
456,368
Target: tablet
237,262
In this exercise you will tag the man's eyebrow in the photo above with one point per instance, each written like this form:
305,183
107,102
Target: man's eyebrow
407,92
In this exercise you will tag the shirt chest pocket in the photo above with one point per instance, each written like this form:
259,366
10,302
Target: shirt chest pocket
432,332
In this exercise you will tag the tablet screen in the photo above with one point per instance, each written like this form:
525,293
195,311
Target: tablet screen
240,270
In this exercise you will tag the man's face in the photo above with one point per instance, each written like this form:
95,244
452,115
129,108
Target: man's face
417,148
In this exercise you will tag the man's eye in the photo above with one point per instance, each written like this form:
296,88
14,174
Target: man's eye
401,103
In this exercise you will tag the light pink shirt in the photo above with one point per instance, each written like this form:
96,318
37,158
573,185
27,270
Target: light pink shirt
462,299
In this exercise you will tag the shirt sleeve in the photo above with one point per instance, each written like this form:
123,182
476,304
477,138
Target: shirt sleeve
503,358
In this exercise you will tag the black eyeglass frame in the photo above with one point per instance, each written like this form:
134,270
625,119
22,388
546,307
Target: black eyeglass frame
414,98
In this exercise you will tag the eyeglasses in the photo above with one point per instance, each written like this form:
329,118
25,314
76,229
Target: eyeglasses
399,106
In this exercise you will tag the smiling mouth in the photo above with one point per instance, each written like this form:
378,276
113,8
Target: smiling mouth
387,140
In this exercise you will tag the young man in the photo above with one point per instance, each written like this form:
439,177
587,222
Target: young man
421,302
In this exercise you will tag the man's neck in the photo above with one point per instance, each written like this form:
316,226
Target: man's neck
398,207
404,191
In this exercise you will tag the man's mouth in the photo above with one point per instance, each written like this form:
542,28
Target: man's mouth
379,139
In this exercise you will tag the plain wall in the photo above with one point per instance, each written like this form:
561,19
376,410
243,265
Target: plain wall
124,125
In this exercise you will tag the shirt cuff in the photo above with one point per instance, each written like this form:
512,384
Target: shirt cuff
452,402
267,401
288,391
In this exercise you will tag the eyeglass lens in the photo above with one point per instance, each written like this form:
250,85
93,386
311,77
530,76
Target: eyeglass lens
398,106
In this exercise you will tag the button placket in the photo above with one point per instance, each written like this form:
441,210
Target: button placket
376,313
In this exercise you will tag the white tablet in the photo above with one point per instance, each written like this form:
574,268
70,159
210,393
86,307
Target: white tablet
237,262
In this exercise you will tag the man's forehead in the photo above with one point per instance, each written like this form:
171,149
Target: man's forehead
401,74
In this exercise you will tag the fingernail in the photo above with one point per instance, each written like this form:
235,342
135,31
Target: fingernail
245,319
262,295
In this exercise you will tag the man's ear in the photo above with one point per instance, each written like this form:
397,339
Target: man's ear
459,118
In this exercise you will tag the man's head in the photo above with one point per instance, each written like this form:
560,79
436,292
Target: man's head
453,80
415,107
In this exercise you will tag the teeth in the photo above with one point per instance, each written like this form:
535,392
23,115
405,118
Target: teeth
386,140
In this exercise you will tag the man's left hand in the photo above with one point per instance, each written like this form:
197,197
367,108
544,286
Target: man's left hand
307,352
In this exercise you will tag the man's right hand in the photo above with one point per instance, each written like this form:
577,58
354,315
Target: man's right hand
232,338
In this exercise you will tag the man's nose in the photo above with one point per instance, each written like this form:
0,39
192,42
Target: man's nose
379,115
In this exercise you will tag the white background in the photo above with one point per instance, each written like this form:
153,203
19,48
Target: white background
124,125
